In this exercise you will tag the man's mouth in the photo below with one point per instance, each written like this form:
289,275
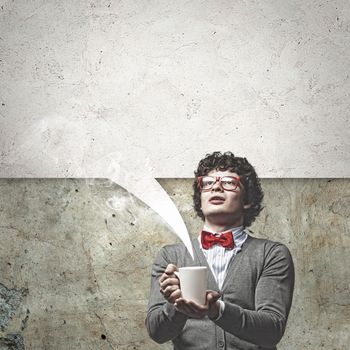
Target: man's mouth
217,200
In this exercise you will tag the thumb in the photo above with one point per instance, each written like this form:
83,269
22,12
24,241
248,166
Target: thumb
212,296
171,268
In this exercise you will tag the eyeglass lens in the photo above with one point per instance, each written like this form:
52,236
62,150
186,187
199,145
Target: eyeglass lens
227,182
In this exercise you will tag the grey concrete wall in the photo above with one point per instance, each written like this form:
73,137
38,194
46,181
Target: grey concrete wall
74,274
86,78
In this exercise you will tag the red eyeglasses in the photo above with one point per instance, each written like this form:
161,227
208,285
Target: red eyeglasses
227,183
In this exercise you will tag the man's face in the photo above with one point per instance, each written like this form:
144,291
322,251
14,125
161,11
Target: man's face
221,207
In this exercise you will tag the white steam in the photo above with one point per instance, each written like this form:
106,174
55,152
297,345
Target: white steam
137,178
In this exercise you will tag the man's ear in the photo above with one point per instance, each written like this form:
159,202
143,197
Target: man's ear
247,206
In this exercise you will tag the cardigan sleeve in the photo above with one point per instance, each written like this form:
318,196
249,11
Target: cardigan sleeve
163,321
265,325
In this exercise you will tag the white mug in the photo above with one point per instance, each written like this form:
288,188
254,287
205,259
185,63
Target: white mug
193,283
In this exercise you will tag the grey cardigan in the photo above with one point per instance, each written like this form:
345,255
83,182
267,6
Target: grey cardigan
257,292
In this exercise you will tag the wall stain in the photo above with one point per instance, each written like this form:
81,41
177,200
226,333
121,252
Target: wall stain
12,342
341,206
10,299
25,320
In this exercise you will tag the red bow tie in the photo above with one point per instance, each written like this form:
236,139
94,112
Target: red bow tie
225,239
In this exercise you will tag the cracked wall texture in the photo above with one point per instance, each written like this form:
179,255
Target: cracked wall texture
74,274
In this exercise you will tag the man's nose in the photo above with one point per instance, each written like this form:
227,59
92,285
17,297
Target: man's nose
217,186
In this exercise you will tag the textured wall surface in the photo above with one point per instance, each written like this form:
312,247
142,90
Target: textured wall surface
74,274
269,79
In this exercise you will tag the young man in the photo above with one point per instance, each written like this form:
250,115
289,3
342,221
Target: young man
250,280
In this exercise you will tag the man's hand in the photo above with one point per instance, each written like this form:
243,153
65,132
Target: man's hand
194,310
170,284
170,288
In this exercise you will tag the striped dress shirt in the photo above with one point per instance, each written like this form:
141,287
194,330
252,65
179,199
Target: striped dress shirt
219,257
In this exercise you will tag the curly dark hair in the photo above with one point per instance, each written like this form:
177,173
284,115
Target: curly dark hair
227,161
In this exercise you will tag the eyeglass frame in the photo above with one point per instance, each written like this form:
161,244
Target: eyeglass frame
218,178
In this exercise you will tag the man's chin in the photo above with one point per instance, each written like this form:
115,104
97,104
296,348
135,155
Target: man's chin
224,219
219,217
218,212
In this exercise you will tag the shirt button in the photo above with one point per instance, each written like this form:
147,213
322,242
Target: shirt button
221,344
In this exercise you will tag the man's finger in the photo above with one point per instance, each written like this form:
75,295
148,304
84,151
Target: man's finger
184,309
174,296
163,277
169,282
197,308
169,290
170,269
